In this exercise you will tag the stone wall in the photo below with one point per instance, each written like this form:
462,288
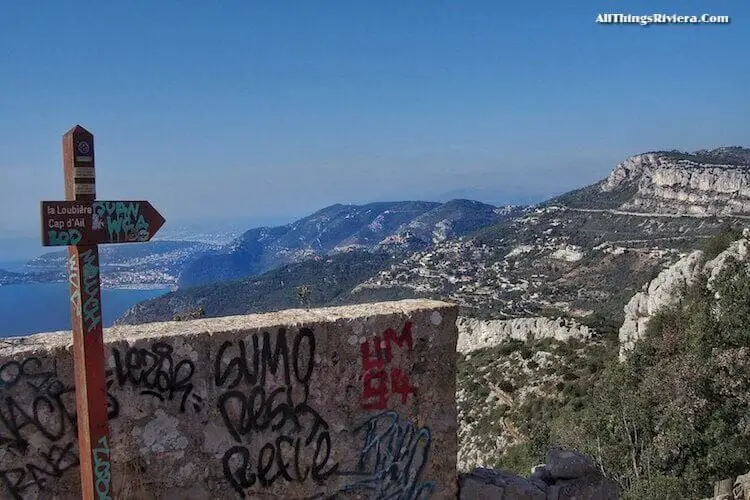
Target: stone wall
298,404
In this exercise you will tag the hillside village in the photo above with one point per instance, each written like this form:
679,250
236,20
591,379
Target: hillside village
576,255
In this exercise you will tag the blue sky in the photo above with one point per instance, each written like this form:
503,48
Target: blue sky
269,110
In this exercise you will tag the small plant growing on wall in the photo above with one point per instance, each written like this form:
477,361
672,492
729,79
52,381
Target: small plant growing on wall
303,295
195,313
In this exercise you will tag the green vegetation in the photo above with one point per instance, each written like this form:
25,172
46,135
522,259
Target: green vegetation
536,378
670,420
718,243
320,282
735,156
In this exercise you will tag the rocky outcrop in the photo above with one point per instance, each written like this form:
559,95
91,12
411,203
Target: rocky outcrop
713,182
663,291
568,464
490,484
566,476
741,487
738,250
666,289
727,489
476,334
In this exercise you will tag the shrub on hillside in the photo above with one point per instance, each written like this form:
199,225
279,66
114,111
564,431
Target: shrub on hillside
716,244
678,406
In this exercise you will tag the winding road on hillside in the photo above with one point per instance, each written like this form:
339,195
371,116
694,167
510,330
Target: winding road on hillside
653,214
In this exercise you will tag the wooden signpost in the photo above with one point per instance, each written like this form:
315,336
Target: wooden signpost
96,222
81,223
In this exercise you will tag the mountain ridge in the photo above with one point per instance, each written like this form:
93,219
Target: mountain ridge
703,183
575,255
337,228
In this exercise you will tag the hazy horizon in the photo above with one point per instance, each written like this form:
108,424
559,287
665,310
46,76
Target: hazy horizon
269,112
21,245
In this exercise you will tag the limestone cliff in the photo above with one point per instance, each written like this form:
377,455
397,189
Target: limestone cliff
476,334
704,183
666,289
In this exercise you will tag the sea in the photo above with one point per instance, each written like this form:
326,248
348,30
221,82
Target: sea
45,307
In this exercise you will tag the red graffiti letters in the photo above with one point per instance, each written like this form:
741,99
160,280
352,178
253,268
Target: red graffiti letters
378,375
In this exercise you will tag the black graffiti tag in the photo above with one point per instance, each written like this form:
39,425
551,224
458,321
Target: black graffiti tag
156,374
238,369
43,409
267,402
52,464
37,406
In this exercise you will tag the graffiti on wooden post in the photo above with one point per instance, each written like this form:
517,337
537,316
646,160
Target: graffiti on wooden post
92,310
124,221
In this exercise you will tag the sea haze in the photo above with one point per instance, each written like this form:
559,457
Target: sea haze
34,308
14,266
21,248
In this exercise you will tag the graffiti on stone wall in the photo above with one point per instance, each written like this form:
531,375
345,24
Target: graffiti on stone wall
265,400
38,426
394,453
263,393
36,407
380,377
156,373
392,459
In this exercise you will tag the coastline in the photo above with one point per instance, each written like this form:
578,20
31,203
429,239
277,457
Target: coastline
29,308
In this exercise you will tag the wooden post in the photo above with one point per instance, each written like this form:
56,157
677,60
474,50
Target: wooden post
81,224
86,314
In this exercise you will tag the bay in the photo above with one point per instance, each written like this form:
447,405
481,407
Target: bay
45,307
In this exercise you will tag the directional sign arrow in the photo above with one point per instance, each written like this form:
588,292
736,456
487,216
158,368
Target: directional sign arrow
80,223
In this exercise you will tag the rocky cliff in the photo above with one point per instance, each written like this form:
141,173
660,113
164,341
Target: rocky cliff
666,289
705,183
476,334
567,475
